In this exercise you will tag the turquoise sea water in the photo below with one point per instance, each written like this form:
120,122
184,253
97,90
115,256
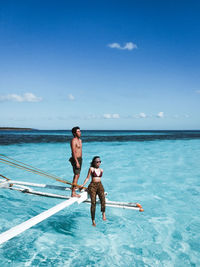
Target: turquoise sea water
162,174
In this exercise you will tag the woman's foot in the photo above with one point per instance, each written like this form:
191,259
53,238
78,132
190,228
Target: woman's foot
93,223
104,216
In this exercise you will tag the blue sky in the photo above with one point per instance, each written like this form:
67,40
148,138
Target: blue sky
100,64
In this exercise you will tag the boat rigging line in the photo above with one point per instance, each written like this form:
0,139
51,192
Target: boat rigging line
20,165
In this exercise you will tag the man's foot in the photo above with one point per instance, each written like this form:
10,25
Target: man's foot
104,217
76,195
94,224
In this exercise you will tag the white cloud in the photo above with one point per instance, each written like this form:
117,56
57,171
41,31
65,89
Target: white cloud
198,91
127,46
115,116
160,114
142,115
111,116
92,117
107,116
27,97
130,46
114,45
71,97
135,116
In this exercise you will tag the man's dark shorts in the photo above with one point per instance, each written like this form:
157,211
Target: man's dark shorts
73,162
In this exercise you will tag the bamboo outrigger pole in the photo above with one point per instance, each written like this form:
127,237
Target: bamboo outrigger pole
16,230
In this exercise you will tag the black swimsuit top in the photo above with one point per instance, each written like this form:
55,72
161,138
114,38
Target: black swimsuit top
93,173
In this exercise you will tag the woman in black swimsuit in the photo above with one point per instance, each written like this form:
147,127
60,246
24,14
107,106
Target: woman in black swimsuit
95,187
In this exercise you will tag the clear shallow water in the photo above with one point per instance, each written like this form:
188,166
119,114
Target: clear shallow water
163,175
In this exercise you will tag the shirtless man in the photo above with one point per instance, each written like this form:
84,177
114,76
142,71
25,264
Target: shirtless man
76,158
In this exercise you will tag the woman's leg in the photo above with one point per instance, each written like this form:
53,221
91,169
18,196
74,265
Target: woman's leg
101,195
93,192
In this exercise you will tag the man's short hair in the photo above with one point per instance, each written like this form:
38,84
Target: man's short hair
74,129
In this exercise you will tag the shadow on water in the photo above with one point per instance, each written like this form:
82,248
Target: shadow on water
67,225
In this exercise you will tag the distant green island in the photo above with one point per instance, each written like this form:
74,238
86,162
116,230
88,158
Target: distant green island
15,129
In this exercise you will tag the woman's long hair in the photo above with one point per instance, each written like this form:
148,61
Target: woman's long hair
92,164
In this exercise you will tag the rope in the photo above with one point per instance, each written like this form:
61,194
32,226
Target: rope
29,168
24,164
4,177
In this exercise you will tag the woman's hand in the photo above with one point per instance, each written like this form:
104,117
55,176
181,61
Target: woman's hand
81,186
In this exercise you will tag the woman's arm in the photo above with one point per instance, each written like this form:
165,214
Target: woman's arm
88,177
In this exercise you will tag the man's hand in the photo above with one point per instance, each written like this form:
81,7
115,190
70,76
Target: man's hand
78,165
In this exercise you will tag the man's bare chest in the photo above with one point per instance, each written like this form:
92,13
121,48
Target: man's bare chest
78,144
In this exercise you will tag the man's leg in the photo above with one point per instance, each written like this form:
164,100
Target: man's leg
76,176
75,181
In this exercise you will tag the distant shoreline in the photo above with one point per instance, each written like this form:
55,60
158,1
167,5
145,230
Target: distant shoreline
16,129
61,130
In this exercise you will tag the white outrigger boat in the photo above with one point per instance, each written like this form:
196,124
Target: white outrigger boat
28,188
